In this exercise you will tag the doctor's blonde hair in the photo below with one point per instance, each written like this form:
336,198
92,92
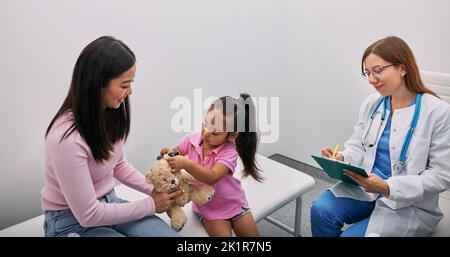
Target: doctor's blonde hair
395,50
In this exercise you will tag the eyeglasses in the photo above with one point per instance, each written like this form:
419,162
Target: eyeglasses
376,71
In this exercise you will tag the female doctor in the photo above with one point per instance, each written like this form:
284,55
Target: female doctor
403,137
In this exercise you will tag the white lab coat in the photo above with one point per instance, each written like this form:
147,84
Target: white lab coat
412,206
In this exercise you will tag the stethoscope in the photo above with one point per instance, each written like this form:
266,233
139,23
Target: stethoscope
399,165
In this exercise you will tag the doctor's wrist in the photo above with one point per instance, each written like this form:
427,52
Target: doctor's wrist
386,190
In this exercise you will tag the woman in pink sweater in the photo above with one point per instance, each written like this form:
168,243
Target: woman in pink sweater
83,153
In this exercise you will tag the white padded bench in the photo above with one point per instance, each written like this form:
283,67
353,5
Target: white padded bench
281,186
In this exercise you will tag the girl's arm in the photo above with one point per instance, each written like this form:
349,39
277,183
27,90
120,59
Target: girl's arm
205,175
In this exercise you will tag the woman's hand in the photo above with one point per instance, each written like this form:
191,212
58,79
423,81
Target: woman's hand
327,152
165,200
178,162
371,184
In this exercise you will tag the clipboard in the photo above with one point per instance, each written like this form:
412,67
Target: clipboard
334,169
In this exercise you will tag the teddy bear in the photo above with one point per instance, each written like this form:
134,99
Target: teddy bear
164,179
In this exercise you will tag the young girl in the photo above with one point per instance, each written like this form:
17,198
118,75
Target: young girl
211,157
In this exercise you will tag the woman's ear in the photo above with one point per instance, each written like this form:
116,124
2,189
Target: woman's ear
232,136
402,70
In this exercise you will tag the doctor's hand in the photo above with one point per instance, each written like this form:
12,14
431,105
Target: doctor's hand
327,152
371,184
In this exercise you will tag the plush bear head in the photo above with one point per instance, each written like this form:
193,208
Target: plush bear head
164,180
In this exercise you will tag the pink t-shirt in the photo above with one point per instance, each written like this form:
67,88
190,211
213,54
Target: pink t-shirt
73,179
229,197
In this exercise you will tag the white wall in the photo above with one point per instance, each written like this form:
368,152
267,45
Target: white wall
223,47
323,44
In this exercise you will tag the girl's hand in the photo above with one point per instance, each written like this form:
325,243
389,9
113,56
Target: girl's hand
178,162
327,152
371,184
165,200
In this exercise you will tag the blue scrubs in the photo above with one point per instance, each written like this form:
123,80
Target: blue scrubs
329,213
382,165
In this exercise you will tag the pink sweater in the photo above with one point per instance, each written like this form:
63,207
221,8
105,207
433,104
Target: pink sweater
74,180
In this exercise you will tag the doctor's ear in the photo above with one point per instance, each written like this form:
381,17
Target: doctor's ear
402,70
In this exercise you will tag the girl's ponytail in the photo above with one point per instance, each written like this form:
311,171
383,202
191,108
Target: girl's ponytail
247,140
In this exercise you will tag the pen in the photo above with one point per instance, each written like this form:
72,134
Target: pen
335,150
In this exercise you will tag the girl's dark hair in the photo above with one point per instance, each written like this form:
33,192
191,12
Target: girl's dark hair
396,51
241,112
101,61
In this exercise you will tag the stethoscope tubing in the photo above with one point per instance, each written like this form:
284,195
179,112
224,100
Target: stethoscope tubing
412,126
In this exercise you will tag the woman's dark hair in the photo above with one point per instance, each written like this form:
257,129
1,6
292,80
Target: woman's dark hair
396,51
240,113
101,61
